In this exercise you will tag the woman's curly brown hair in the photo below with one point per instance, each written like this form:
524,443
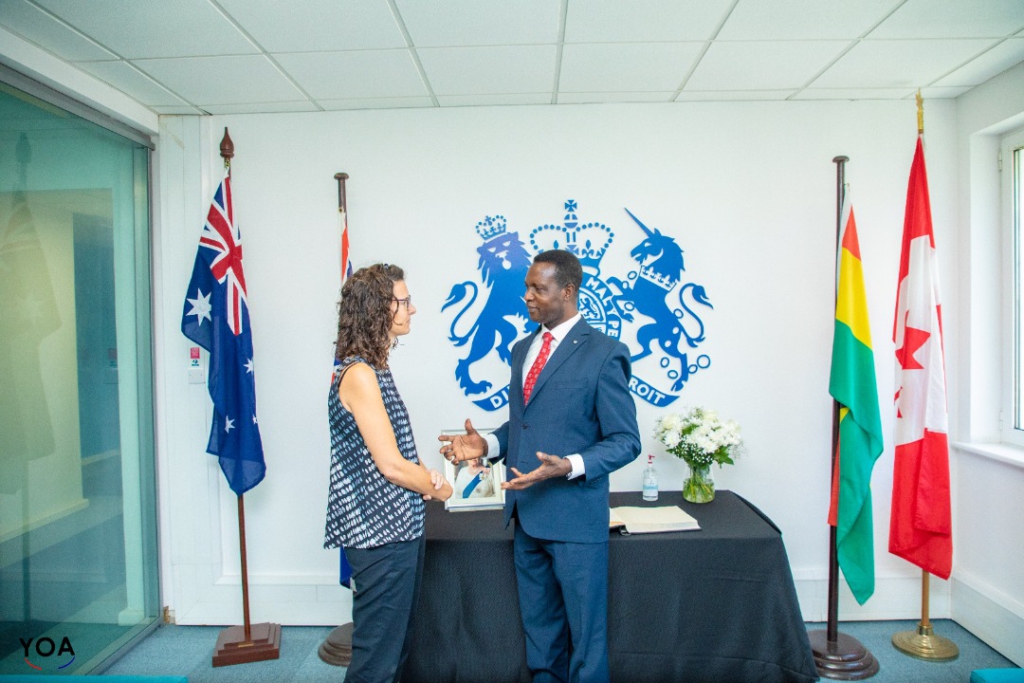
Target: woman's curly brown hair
365,314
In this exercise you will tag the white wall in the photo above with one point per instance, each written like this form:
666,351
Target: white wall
988,572
748,189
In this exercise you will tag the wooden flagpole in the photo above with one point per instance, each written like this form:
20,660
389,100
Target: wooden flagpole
922,642
249,642
838,655
337,646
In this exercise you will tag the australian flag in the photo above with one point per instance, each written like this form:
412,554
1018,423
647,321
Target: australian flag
216,317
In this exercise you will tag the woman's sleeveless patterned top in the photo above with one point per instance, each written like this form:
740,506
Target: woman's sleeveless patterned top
365,510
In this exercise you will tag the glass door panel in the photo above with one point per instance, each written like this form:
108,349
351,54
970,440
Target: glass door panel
77,509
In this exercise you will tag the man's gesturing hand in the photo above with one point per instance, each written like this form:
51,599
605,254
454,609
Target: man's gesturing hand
550,466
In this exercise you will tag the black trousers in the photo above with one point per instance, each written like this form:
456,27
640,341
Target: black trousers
387,580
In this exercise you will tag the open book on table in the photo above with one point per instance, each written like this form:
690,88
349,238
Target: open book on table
637,520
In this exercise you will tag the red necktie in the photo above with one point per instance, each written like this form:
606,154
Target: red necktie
538,365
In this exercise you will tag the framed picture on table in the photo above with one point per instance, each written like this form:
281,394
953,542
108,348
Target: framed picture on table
476,483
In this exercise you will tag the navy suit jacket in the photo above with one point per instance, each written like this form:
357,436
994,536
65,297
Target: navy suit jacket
580,404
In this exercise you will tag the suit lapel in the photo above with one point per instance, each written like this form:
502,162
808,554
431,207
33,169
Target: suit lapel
574,340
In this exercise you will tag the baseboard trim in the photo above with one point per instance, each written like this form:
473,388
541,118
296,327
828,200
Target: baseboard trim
896,596
992,616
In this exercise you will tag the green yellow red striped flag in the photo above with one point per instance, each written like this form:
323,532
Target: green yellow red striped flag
852,384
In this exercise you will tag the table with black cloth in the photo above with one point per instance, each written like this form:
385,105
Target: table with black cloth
717,604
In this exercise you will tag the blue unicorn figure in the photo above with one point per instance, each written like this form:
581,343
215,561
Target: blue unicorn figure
661,268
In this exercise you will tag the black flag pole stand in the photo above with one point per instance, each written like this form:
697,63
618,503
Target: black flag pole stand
337,646
837,655
249,642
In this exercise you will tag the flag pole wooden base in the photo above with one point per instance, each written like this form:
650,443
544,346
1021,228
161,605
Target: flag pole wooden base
336,649
924,644
845,659
234,648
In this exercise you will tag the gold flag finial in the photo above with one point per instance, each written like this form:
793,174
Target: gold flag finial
920,113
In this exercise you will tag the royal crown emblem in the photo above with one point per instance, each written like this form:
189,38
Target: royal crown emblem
491,226
589,242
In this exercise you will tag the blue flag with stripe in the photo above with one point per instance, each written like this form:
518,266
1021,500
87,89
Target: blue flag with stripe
216,316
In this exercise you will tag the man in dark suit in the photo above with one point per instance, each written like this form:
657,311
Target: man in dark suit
571,423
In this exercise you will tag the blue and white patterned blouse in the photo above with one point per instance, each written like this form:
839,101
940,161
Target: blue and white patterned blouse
365,510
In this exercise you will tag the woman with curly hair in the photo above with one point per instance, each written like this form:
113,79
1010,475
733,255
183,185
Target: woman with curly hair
375,505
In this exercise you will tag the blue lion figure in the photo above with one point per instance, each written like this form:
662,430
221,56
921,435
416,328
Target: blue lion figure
661,269
503,264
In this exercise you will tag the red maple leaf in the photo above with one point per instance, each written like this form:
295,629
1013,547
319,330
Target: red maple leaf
913,339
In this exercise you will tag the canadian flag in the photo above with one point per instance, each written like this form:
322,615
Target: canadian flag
920,528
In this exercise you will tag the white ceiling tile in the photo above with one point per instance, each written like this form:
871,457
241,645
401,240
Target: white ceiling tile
733,95
803,19
176,110
377,103
353,54
762,65
317,25
261,107
953,19
595,97
358,74
34,24
626,67
605,21
489,70
130,81
491,100
898,63
480,22
241,79
985,66
853,94
168,28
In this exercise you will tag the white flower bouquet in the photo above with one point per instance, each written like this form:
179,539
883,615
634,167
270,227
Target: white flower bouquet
699,437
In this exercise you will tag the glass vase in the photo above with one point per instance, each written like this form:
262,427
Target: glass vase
699,487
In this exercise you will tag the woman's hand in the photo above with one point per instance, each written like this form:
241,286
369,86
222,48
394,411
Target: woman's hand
438,481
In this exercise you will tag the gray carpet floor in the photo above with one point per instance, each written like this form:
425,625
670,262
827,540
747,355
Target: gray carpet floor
187,651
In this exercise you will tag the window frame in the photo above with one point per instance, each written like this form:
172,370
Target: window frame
1011,422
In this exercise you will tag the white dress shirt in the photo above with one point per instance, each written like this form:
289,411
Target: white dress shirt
558,332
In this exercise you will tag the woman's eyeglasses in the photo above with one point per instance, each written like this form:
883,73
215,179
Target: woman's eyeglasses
407,302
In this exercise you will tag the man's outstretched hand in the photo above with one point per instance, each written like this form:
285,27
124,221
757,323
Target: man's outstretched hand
550,466
458,447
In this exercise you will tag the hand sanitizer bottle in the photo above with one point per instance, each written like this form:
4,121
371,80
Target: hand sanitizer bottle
650,480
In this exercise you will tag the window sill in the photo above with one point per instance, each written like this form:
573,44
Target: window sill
1001,452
